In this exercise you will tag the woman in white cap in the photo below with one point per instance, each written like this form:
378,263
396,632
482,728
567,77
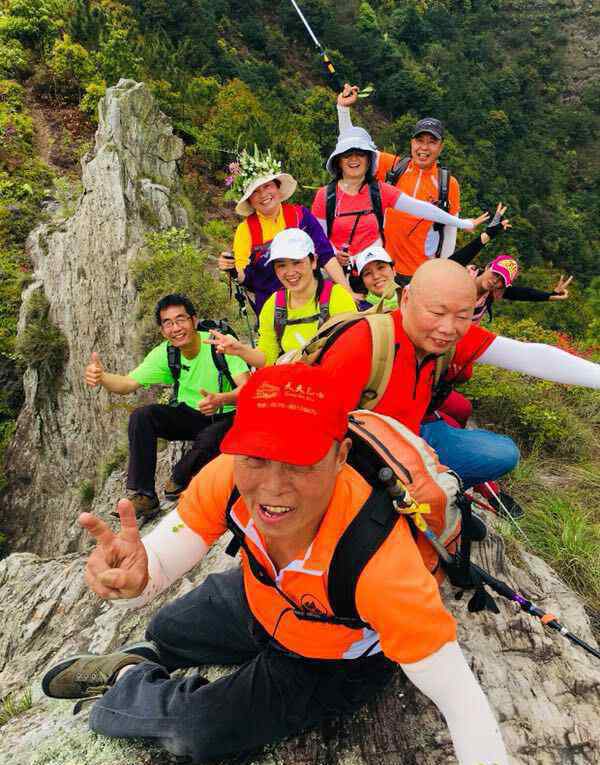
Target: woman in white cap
351,209
264,190
292,315
375,270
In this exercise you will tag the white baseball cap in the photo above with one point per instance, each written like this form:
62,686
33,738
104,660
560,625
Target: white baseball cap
291,243
369,254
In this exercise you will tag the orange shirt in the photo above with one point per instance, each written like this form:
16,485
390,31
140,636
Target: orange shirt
395,593
411,241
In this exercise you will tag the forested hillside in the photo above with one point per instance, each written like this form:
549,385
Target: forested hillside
513,81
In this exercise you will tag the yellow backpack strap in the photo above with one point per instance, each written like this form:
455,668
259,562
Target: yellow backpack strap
442,364
383,337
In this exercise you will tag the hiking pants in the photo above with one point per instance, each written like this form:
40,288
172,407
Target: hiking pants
174,423
476,455
272,695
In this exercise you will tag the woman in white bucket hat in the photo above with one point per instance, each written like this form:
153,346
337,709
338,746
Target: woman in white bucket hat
302,302
263,191
351,209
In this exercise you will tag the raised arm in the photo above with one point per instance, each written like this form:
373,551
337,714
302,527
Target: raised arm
345,100
543,361
446,678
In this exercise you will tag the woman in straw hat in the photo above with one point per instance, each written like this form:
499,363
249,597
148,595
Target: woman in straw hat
264,189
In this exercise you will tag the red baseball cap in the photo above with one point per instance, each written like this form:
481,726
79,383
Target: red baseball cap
288,413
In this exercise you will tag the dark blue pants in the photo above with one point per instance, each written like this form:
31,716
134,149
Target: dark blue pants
272,695
476,455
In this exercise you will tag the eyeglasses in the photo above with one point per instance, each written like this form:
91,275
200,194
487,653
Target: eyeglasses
178,320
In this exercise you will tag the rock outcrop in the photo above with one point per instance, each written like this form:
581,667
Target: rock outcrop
81,265
545,692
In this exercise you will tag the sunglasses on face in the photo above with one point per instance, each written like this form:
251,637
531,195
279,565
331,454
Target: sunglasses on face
354,153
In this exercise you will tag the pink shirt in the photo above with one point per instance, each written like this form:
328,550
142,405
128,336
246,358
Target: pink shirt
367,230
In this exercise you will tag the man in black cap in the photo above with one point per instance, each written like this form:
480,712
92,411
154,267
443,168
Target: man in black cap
411,241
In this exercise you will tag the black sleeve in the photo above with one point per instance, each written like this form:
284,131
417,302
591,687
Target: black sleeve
526,293
466,254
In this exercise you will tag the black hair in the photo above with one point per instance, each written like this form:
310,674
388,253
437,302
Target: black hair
175,298
318,276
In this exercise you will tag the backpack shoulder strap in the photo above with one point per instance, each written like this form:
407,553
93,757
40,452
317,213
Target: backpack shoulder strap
256,233
220,362
174,362
280,314
383,341
324,299
358,544
442,363
291,215
236,541
397,170
376,204
330,200
443,187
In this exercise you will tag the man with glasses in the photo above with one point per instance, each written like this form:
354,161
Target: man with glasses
202,411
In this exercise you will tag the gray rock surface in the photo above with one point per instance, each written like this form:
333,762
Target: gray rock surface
545,692
130,184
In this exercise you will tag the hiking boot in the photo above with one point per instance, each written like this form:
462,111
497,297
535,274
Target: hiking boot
87,675
146,508
173,490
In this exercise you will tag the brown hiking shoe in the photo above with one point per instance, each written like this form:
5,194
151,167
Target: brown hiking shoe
87,676
172,490
146,508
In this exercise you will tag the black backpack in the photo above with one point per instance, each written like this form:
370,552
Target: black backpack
398,169
219,359
376,208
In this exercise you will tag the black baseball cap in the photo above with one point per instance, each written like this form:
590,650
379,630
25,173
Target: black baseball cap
429,125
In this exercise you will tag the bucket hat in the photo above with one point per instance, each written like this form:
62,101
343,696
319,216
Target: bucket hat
353,138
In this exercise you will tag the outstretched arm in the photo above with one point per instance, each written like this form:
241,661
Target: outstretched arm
445,677
427,211
539,360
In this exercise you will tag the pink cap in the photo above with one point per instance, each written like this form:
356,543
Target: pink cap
506,267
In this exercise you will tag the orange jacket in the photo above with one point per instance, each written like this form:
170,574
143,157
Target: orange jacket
411,241
395,592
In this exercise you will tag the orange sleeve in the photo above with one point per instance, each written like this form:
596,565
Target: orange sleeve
400,599
349,360
203,504
384,164
453,196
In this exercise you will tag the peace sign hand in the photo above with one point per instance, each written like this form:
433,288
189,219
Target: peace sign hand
224,343
561,288
118,565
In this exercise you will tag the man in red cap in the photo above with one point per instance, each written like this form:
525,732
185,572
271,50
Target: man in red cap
286,456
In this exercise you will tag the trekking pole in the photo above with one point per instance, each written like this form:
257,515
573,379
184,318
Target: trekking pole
240,296
548,620
326,60
400,495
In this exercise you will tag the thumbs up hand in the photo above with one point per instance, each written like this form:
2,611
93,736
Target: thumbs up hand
210,403
94,371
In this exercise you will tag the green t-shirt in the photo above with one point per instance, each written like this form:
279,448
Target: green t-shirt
389,303
196,373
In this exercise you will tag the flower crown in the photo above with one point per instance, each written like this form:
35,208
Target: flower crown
247,167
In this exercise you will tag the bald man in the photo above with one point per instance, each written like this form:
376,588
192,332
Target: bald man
435,315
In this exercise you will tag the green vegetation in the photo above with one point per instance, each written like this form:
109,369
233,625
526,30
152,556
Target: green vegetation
42,345
13,705
87,492
171,263
115,460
